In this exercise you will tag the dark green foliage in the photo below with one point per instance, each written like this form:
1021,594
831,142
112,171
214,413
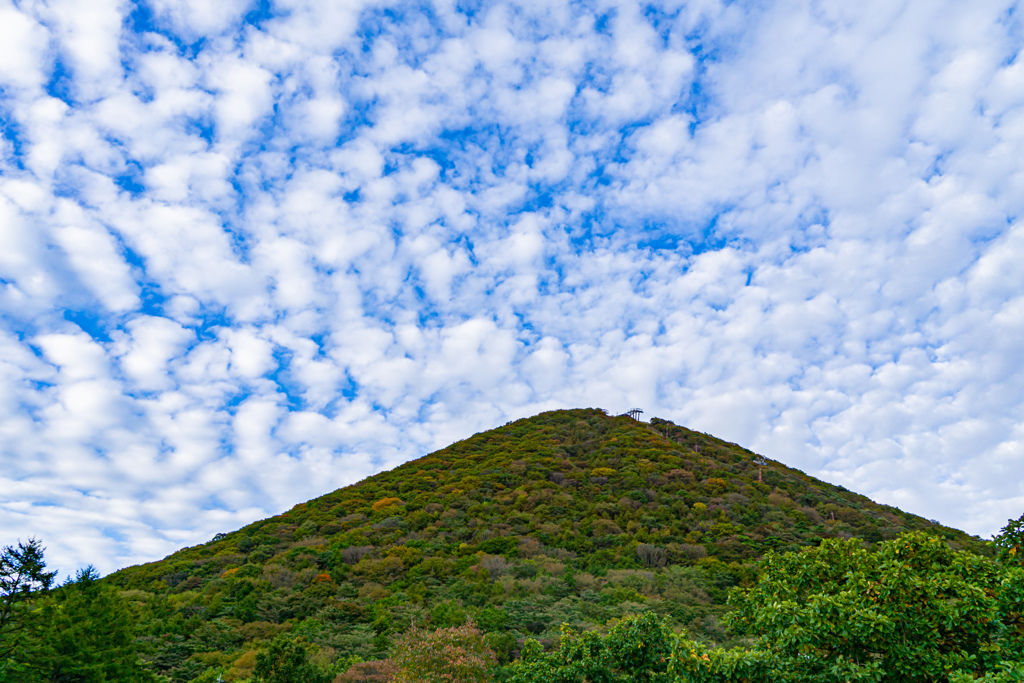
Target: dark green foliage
913,611
85,634
23,575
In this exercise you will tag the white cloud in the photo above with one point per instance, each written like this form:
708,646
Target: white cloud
153,343
244,96
76,355
251,355
193,18
22,47
94,256
88,34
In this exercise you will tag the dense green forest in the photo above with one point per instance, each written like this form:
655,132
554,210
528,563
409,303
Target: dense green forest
525,550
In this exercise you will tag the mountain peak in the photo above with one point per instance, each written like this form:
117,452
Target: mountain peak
583,480
571,516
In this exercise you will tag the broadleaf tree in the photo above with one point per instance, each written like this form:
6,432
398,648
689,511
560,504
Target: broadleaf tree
912,611
636,650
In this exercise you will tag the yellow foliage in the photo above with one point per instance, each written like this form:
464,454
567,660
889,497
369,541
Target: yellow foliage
243,667
386,503
715,485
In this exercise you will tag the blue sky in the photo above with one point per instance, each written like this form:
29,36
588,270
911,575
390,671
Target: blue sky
254,251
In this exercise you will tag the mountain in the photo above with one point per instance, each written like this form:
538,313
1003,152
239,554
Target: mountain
570,516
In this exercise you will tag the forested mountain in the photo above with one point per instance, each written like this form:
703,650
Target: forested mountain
571,516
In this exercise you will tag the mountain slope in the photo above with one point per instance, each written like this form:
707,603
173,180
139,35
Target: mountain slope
569,516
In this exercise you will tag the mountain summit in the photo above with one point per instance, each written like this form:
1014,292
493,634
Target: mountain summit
570,516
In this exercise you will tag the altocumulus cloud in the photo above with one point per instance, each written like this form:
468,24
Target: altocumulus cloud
253,251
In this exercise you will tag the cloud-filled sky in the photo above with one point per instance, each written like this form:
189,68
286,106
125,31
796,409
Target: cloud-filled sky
252,251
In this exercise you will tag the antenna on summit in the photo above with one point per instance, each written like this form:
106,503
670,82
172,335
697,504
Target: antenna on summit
634,413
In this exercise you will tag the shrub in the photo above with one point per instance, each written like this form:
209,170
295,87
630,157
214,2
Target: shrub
496,565
692,551
606,527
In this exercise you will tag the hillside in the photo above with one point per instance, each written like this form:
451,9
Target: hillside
569,516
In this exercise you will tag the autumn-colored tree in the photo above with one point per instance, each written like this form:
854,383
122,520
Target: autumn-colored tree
448,655
379,671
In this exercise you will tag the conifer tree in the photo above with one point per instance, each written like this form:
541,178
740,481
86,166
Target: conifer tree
87,636
22,576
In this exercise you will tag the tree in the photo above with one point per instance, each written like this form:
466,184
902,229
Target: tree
287,661
636,650
88,636
22,575
448,655
913,611
1010,542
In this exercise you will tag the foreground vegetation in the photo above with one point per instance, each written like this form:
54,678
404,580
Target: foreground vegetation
913,610
512,550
